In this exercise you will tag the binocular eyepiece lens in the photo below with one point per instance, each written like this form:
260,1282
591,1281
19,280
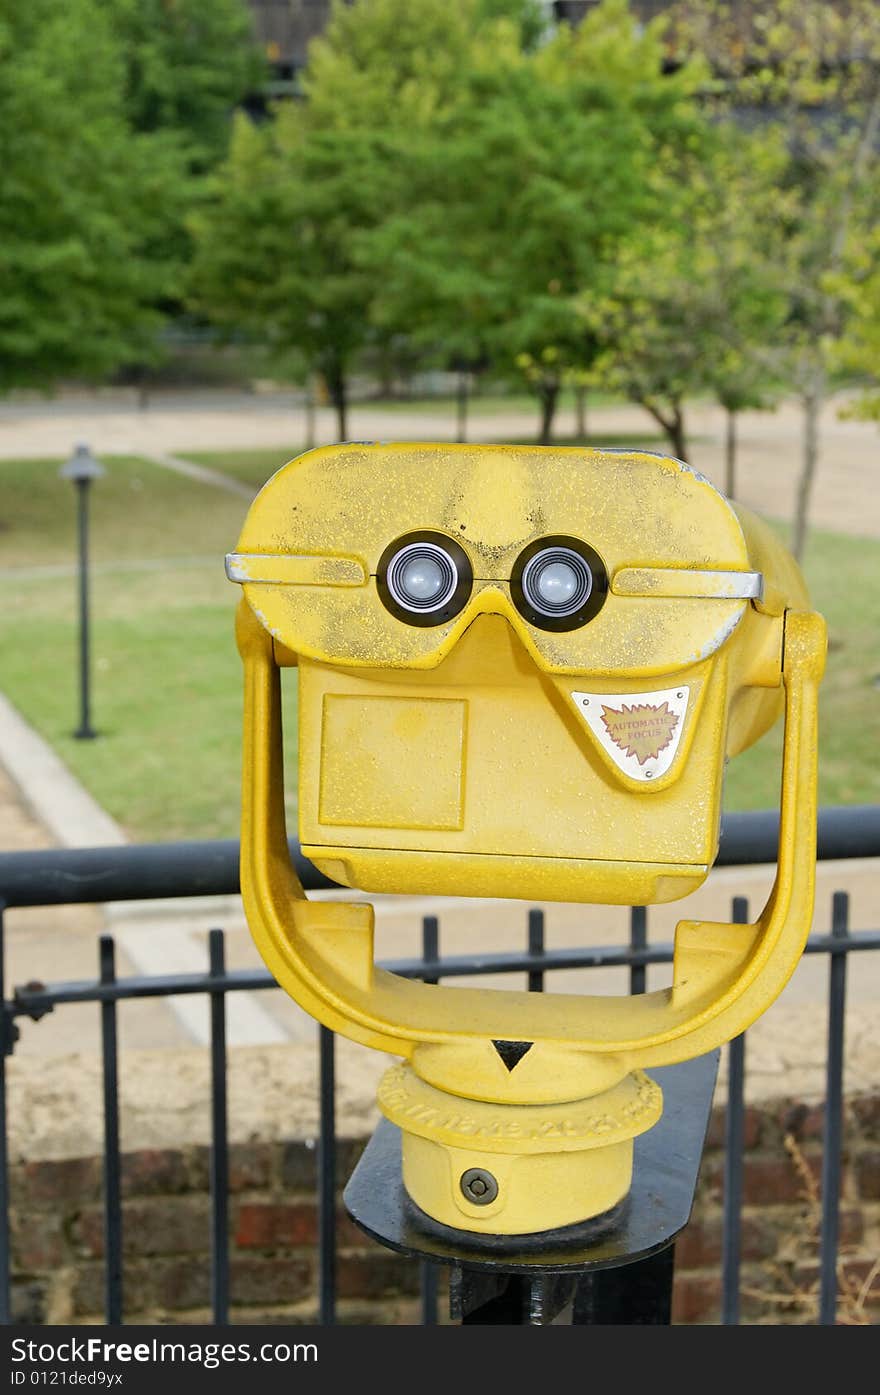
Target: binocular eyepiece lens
555,585
421,579
424,579
559,583
422,576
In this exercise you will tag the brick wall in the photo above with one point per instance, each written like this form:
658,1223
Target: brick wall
57,1232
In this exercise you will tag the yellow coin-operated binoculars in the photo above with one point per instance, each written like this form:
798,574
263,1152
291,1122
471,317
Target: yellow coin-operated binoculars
521,674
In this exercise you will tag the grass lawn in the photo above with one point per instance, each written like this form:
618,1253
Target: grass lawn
166,674
166,677
843,574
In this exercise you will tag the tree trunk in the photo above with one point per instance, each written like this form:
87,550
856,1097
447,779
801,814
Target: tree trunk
580,406
812,405
730,455
142,378
675,431
463,388
310,412
672,424
337,388
386,376
548,394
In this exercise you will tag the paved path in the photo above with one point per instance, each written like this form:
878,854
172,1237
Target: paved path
42,805
200,473
846,498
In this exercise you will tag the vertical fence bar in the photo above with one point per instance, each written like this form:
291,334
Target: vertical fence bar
219,1135
327,1179
734,1143
833,1132
638,939
430,945
429,1293
112,1171
536,946
5,1049
427,1270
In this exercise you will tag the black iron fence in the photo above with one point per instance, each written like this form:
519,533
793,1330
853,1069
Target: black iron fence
97,875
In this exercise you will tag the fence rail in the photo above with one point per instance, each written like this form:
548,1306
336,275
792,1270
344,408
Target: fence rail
87,876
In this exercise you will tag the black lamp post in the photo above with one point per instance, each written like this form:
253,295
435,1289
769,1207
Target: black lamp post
82,468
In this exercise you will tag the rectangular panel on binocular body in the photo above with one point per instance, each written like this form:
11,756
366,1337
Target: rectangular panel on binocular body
492,753
489,760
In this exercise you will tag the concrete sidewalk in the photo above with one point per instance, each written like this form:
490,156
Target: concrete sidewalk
42,804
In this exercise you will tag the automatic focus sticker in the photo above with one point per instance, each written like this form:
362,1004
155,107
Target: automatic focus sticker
640,731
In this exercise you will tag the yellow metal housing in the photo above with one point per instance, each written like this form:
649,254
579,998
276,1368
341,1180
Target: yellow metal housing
489,756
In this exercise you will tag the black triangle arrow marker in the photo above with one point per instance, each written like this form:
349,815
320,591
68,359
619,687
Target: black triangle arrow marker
512,1052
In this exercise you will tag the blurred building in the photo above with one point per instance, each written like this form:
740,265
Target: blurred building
285,27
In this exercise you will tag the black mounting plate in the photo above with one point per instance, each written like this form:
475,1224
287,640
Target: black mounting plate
666,1166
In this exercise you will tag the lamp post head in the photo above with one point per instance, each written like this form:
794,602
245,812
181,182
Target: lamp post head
82,467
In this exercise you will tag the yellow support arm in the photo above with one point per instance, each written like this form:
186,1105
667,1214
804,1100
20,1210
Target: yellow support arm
322,952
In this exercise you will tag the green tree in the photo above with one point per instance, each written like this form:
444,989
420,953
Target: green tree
523,191
282,248
82,200
529,17
464,267
188,65
694,300
859,352
276,246
810,72
652,329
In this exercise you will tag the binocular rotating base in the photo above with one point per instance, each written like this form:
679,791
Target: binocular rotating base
516,1169
616,1268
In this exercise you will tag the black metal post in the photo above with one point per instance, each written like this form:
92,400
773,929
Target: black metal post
536,946
638,941
6,1044
219,1136
85,731
327,1178
833,1131
734,1146
427,1270
81,469
637,1294
112,1161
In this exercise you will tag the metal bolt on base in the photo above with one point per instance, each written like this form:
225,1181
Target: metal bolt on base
479,1186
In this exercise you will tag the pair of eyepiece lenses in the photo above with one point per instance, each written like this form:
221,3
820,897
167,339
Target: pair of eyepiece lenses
556,584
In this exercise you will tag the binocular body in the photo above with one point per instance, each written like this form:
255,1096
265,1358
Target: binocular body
487,776
521,674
